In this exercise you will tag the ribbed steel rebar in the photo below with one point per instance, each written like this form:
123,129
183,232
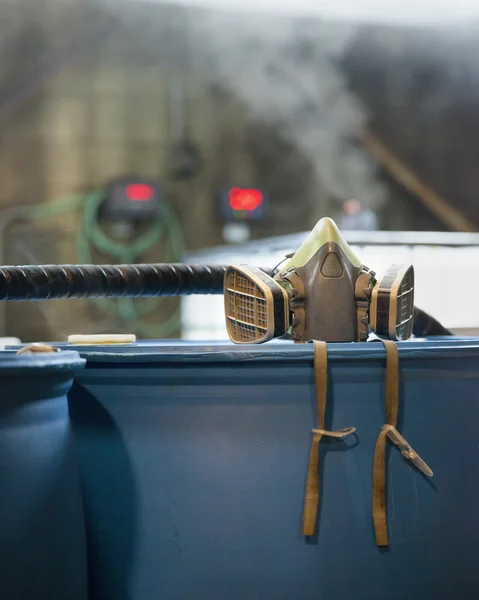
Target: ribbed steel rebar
49,282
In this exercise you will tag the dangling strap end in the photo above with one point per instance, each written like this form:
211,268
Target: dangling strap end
340,433
404,447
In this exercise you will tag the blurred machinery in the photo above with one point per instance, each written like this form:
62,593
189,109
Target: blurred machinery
123,222
238,208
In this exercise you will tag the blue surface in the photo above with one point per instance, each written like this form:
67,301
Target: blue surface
167,351
42,533
193,461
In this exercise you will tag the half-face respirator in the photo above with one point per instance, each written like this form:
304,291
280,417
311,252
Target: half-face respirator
323,292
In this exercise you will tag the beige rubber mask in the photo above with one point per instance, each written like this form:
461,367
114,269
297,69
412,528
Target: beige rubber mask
323,292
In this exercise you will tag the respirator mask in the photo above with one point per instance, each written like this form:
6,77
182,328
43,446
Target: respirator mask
323,292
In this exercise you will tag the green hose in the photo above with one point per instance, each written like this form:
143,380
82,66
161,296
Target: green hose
90,234
127,309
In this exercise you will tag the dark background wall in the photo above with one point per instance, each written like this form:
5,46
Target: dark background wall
421,87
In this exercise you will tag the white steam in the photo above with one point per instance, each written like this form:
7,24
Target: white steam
411,13
285,73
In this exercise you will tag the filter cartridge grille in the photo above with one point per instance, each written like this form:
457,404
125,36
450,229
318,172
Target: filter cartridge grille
392,309
405,306
246,308
256,306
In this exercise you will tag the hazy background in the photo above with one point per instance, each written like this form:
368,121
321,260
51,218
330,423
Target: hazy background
312,102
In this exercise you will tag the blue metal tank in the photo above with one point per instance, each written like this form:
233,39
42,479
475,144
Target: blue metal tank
194,458
42,533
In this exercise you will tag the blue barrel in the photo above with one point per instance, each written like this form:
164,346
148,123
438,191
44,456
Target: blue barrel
194,458
42,531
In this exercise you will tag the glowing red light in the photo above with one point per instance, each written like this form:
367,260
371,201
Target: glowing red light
139,192
245,199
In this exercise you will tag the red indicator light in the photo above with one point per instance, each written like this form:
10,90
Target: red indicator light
139,192
245,199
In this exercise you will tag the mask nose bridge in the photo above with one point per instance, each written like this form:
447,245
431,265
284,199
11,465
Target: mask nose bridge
332,266
328,280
